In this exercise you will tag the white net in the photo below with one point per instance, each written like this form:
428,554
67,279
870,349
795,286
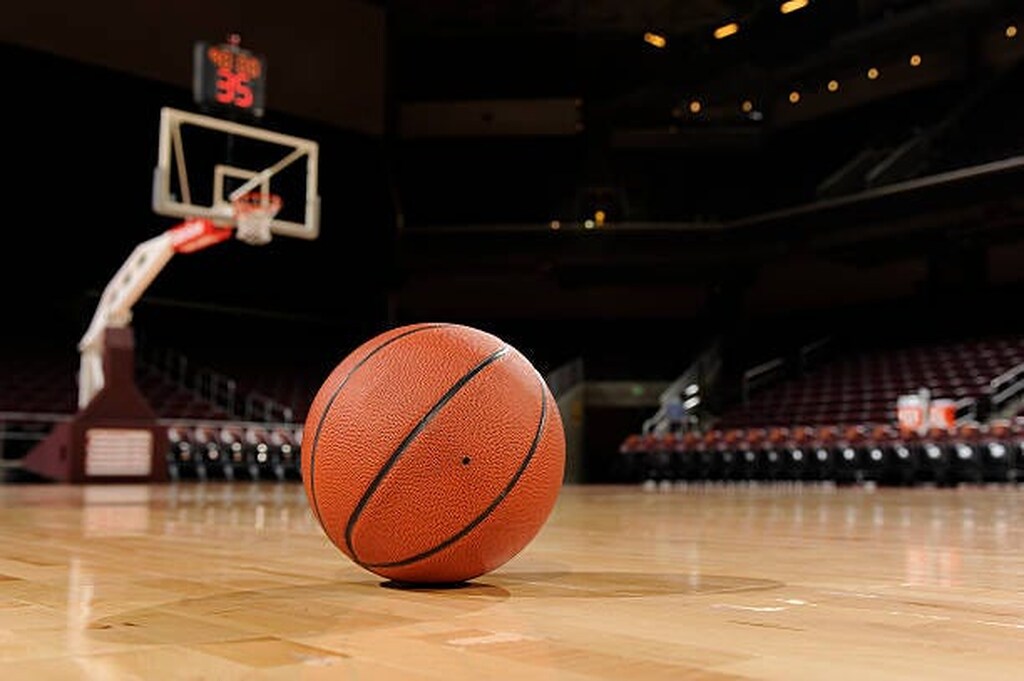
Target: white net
254,213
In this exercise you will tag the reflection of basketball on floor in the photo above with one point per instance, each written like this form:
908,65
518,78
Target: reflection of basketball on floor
433,453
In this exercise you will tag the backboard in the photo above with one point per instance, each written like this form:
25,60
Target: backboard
204,163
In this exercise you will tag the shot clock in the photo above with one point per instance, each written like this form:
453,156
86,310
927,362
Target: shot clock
228,79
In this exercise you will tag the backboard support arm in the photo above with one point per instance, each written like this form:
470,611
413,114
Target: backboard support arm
139,270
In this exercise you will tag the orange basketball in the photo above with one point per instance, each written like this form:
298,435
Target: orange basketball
433,453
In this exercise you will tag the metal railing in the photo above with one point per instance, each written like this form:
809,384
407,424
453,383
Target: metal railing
1006,387
757,376
565,378
684,399
260,407
812,351
216,388
21,431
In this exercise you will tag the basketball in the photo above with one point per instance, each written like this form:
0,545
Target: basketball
433,453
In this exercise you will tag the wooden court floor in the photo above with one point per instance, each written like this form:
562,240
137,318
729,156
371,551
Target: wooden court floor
236,581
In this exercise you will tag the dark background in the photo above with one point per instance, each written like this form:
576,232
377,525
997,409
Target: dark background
720,224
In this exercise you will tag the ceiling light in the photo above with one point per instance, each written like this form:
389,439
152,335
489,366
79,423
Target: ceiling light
1011,31
556,224
792,6
833,85
872,73
727,30
695,107
747,106
794,97
655,39
588,224
915,60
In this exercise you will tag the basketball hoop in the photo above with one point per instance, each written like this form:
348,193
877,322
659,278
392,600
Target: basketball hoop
253,214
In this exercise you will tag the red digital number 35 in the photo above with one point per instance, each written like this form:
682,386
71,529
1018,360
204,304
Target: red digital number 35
233,88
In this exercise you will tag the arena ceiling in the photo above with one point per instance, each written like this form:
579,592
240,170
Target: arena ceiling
815,74
454,16
457,49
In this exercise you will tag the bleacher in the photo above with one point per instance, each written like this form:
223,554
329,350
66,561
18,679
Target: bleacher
838,422
863,388
210,436
38,382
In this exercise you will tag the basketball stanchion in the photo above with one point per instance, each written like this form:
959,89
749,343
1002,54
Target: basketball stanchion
116,436
219,177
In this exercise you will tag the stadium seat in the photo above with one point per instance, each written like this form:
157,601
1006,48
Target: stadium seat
237,464
210,450
261,454
967,458
284,448
936,464
183,459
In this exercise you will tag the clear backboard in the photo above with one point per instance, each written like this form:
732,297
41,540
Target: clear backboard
207,164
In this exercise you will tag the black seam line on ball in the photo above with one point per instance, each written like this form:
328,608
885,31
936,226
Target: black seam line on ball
404,444
330,403
494,504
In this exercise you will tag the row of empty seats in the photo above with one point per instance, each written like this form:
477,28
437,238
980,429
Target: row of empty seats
971,453
233,451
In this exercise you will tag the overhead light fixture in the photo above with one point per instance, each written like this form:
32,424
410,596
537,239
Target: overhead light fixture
794,97
1011,31
833,85
599,217
556,224
747,106
695,107
588,224
793,5
726,30
873,73
655,39
915,60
